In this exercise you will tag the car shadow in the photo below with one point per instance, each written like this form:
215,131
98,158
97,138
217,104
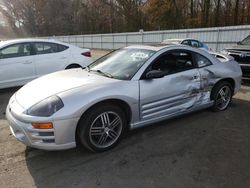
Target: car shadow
182,149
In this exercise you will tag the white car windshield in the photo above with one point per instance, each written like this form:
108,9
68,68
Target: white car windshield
121,64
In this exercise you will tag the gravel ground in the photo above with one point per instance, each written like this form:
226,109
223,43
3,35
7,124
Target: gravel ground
201,149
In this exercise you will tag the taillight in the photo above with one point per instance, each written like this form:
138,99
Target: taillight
87,54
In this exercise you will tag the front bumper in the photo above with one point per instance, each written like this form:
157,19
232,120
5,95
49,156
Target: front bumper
61,137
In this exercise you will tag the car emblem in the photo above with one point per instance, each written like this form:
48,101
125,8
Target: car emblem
243,55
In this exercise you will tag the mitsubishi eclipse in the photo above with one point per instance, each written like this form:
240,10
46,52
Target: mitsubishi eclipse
125,89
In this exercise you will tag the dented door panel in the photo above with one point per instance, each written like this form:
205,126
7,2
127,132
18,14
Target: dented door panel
170,94
209,77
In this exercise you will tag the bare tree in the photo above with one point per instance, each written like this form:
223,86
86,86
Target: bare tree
65,17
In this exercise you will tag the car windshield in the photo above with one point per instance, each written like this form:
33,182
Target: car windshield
121,64
246,41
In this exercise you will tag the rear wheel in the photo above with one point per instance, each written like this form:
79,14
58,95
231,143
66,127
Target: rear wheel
222,96
101,128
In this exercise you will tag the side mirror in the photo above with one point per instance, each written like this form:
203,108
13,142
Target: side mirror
154,74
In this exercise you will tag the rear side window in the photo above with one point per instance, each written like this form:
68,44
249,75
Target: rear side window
202,61
195,43
16,50
47,48
61,48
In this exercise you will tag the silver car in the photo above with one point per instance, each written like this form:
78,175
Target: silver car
126,89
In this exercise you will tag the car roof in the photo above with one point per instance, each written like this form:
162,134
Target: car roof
178,39
14,41
153,47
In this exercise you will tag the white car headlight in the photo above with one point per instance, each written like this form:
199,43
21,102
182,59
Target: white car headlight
46,107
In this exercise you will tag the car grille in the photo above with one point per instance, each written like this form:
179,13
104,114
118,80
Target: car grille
45,136
241,56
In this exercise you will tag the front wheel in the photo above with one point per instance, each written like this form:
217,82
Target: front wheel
222,96
101,128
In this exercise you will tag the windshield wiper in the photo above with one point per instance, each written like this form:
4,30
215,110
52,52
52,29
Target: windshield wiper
103,73
87,68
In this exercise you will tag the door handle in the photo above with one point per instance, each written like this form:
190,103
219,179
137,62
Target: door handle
27,62
63,57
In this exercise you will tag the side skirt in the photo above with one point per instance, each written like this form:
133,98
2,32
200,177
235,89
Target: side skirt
151,121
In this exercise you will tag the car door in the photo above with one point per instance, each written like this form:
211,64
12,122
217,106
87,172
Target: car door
176,92
16,65
49,58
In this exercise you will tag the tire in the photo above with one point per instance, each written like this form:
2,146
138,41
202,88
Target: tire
101,128
73,66
222,96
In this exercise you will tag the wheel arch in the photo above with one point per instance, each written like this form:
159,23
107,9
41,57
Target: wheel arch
73,65
231,81
118,102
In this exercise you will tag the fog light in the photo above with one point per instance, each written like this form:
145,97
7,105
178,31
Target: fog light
47,125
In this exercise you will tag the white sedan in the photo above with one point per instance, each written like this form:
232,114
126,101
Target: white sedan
23,60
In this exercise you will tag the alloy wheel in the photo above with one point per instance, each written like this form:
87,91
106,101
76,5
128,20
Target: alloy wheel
223,97
105,129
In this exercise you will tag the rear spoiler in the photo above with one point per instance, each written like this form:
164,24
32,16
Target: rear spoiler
221,57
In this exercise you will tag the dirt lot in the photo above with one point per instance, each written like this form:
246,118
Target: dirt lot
202,149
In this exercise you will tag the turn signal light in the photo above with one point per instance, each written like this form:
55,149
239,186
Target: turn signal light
47,125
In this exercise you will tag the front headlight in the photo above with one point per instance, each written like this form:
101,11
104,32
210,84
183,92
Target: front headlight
46,107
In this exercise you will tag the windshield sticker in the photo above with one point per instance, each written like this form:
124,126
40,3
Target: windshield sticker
139,56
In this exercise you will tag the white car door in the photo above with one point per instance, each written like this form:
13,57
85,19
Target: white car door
50,57
16,65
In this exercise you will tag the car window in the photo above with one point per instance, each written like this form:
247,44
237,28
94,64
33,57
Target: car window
186,42
202,61
123,63
61,47
16,50
47,48
200,44
172,62
194,43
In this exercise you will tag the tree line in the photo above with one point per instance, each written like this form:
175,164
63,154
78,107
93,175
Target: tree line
71,17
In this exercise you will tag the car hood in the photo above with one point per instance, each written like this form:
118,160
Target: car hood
240,47
55,83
